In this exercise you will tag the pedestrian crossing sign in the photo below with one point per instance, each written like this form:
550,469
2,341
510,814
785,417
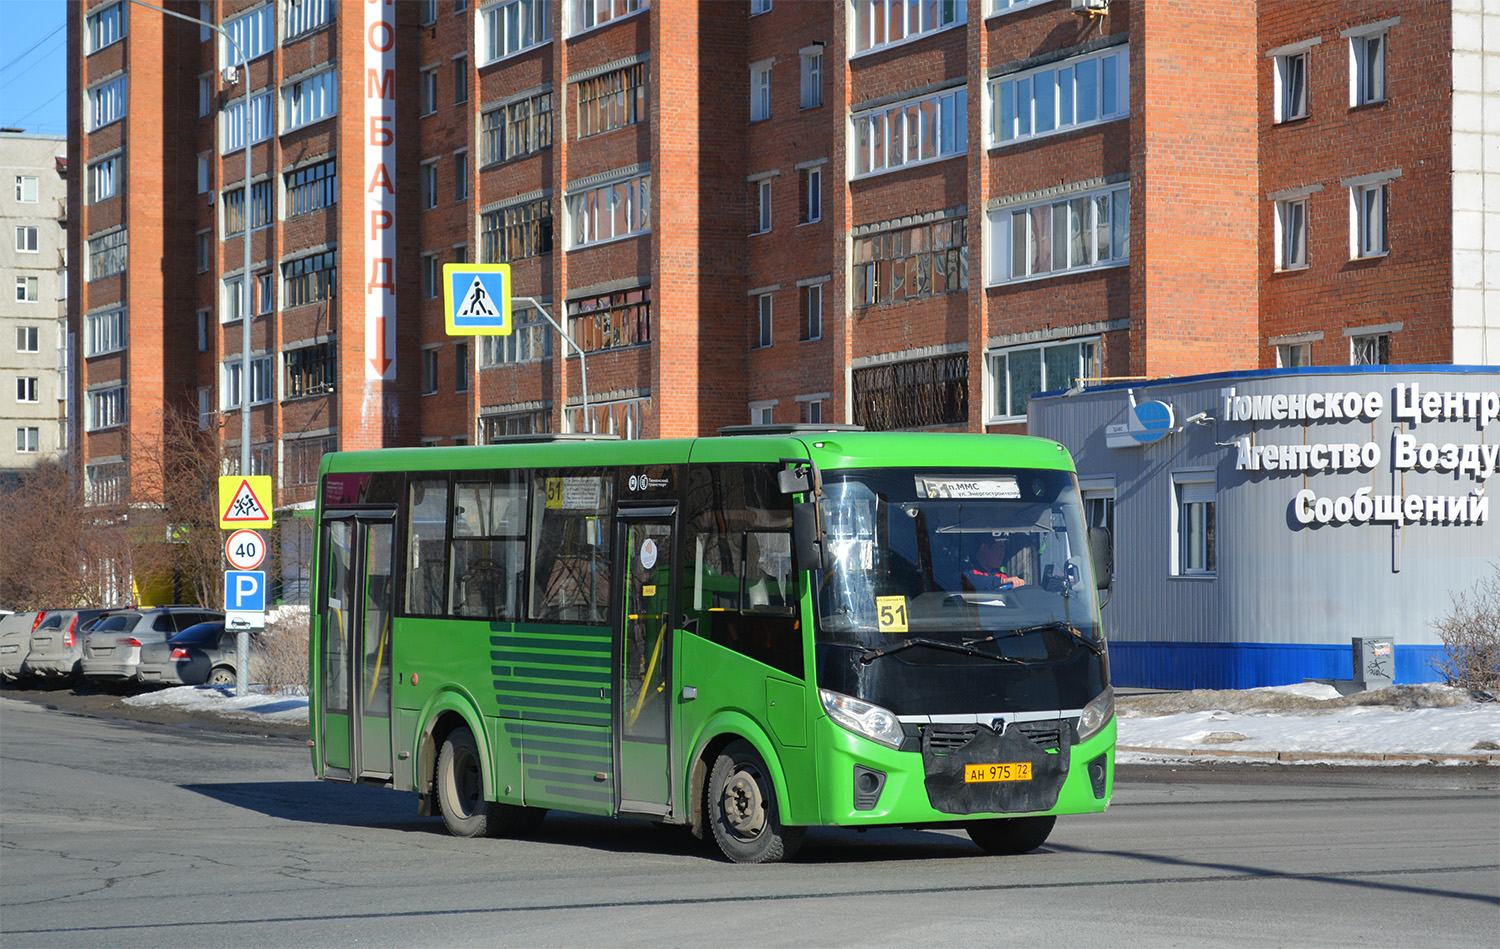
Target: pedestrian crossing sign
476,299
244,501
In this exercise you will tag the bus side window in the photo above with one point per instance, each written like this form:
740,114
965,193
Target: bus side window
571,527
489,548
426,558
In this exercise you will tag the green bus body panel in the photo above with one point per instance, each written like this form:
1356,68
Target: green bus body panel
417,715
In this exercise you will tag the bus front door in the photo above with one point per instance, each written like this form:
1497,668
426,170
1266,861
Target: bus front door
646,545
355,653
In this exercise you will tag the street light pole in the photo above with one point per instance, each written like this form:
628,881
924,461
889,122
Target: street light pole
242,638
583,365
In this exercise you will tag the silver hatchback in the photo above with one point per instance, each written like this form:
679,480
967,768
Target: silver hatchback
57,644
112,646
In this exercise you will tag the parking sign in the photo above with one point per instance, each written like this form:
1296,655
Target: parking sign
244,591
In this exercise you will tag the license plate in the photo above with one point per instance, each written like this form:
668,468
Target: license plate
10,648
1017,771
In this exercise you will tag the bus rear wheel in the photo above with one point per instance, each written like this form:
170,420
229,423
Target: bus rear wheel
1011,835
460,792
742,809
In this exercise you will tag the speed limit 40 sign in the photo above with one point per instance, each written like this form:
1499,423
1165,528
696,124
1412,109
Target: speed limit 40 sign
245,549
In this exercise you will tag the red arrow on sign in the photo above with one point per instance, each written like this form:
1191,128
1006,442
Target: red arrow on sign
379,362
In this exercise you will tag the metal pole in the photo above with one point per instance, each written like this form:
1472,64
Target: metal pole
583,365
242,638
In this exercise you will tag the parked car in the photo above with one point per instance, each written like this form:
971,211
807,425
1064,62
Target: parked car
112,646
199,655
15,640
57,643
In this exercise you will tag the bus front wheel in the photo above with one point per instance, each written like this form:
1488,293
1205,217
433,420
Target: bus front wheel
460,792
1011,835
742,809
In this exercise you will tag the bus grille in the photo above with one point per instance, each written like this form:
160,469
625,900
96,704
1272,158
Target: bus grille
944,739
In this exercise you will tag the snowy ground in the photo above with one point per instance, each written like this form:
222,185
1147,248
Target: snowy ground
1293,723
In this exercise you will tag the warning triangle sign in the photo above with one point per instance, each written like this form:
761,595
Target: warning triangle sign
244,507
477,303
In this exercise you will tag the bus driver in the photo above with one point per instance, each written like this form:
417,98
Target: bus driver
987,570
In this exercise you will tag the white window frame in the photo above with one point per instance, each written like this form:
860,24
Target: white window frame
429,184
1002,225
764,326
1010,124
1289,79
27,184
1290,228
432,280
203,316
1294,355
26,389
117,251
262,381
763,206
884,135
763,412
1195,488
254,31
813,188
757,7
916,20
812,312
104,408
232,123
430,369
103,178
28,289
232,298
585,15
205,173
427,86
28,339
265,293
303,16
28,239
510,27
1357,342
309,100
104,332
108,102
997,7
1367,69
811,407
1369,219
205,406
812,76
1001,408
760,90
104,28
28,440
585,217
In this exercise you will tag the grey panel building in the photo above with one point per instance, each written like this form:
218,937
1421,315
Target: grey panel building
1262,519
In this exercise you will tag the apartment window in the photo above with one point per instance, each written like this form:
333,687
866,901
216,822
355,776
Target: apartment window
26,240
262,381
265,293
517,232
1081,91
1371,350
913,393
309,370
429,12
461,80
432,271
812,411
1367,220
26,389
203,331
812,311
252,34
530,339
812,76
763,321
310,100
205,407
762,413
616,210
461,176
1290,86
611,321
104,178
104,484
908,133
104,28
26,339
304,16
520,128
303,457
1293,355
308,279
461,367
107,254
106,103
495,427
512,26
611,101
587,14
27,289
763,206
205,94
1003,6
233,122
812,195
105,408
428,81
429,371
760,92
429,181
205,178
26,189
758,7
28,440
1291,234
260,208
234,300
880,23
1195,549
1069,234
103,332
1020,373
910,263
312,187
1367,68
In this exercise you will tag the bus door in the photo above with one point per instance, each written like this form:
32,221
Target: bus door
646,545
355,653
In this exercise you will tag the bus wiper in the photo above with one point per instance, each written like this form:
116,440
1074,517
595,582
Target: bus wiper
1092,646
870,655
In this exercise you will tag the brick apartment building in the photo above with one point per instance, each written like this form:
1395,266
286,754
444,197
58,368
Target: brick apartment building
906,215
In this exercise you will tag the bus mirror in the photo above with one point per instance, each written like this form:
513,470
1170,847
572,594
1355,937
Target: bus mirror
1101,552
805,544
794,480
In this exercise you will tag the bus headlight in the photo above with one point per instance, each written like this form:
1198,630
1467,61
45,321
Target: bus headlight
862,718
1096,714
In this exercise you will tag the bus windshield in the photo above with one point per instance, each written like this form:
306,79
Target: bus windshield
992,563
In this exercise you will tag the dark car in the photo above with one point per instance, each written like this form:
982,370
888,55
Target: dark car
112,646
199,655
57,643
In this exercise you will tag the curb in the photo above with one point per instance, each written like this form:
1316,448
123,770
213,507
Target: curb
1490,758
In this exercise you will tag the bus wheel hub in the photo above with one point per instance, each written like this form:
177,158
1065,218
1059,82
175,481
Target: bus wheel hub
743,808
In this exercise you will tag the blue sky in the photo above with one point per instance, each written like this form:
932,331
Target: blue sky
34,65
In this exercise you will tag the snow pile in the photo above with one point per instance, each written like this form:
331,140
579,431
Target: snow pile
257,706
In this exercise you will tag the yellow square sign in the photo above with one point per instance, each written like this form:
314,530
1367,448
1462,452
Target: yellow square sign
244,501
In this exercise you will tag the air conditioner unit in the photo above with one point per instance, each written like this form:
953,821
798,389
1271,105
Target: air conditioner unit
1090,7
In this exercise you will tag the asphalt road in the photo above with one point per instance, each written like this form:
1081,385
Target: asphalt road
122,833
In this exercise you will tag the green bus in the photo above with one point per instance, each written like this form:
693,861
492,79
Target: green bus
750,634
